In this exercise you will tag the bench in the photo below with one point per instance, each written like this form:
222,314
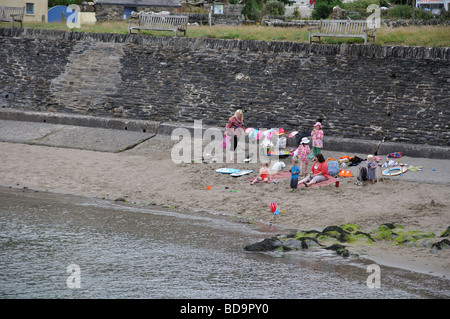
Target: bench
343,28
147,21
12,14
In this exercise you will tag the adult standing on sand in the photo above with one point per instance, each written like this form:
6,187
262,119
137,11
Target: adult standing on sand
234,129
319,172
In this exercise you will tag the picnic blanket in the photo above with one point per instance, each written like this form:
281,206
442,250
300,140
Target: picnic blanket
278,175
329,181
285,175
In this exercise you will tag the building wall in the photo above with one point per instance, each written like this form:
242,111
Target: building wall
40,9
360,91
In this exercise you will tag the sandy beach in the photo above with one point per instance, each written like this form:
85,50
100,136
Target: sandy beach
147,174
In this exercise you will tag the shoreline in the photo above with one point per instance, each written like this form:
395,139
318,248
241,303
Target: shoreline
370,253
146,174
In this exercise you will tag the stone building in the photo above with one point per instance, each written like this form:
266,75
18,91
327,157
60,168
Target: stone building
35,10
121,9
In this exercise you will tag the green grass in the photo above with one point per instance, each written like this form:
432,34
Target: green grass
430,36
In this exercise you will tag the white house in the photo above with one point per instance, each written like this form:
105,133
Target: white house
434,5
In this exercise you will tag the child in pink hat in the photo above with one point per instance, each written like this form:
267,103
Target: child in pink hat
302,153
317,138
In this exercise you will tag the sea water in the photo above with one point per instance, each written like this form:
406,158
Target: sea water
63,246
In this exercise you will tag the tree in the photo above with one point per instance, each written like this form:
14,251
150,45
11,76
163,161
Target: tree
323,8
53,3
254,9
275,8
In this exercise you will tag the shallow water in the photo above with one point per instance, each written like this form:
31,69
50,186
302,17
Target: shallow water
139,251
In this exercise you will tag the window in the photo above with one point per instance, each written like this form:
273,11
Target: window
30,8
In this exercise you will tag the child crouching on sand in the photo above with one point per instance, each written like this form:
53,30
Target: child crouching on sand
264,174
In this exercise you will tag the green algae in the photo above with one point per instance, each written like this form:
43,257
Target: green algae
351,228
332,237
347,233
398,235
446,233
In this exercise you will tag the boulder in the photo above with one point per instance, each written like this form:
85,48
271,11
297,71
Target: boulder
446,233
339,249
443,244
268,244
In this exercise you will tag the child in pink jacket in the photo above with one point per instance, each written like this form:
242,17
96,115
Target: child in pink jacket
317,138
302,153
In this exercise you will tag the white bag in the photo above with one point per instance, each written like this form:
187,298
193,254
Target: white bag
278,166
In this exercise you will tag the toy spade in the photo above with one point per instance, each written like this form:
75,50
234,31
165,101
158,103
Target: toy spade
275,210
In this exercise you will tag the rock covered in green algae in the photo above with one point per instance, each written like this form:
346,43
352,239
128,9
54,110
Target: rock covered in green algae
347,233
350,233
399,235
443,244
339,249
446,233
268,244
312,238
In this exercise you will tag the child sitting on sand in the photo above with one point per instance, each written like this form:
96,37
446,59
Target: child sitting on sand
295,171
264,174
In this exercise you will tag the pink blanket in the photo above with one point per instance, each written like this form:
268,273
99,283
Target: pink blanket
286,174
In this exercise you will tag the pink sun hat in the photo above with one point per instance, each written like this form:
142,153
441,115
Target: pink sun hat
318,124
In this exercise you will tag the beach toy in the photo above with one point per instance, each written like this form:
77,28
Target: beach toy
253,133
273,207
344,173
259,135
394,171
226,170
208,187
277,212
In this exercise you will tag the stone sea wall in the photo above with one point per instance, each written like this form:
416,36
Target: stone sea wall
359,91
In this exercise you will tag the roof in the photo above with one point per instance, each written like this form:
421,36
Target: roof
143,3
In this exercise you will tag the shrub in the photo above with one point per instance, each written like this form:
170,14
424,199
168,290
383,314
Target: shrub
275,8
422,14
400,12
52,3
252,9
324,8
